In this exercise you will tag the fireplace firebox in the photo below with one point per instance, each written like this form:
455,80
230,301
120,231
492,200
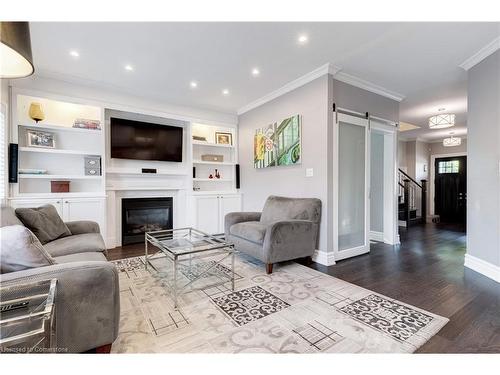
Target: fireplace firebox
141,215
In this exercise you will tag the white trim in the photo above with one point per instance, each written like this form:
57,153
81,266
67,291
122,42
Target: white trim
368,86
480,55
432,177
324,258
290,86
376,236
485,268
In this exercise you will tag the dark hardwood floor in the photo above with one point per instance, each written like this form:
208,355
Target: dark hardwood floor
426,271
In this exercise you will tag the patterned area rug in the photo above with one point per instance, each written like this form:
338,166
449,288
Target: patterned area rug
293,310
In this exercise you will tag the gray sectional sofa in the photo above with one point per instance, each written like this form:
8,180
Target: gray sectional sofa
286,229
87,294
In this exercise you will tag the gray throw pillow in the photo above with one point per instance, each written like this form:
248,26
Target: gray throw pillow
20,250
44,222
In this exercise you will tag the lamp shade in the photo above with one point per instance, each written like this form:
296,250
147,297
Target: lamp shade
441,121
452,141
16,60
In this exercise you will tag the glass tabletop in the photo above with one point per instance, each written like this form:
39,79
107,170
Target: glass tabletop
186,241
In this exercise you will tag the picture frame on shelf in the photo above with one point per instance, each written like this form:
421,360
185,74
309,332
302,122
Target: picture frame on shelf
223,138
41,139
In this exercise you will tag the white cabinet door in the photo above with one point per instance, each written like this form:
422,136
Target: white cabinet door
84,209
31,203
228,203
207,213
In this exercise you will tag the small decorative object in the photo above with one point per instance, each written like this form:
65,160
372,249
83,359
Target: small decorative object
224,138
36,112
40,139
211,176
199,138
209,157
217,174
272,149
83,123
59,186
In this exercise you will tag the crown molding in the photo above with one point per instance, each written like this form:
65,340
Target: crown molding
368,86
290,86
480,55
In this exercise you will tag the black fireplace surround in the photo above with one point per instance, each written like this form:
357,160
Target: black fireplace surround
140,215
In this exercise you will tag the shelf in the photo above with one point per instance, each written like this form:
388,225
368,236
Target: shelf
215,192
63,128
213,162
56,151
135,173
200,143
97,194
213,179
57,177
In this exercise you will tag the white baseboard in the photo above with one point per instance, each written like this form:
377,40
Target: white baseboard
485,268
324,258
376,236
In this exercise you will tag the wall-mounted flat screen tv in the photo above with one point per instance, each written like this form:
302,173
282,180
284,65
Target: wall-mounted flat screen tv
145,141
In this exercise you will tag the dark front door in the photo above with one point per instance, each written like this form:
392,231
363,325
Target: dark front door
451,189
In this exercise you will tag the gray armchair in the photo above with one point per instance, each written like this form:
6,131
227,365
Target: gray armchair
87,295
287,229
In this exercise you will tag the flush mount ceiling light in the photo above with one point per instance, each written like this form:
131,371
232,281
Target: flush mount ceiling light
303,39
225,92
255,72
16,60
193,84
129,67
442,121
452,141
74,53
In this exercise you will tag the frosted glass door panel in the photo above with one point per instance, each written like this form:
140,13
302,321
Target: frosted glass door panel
352,194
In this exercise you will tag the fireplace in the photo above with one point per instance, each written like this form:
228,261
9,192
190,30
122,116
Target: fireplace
140,215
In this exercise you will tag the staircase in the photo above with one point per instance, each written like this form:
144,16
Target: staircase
412,199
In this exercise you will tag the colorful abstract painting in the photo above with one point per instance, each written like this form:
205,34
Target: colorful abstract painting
278,144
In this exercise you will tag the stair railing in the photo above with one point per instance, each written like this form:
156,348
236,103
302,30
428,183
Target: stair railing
411,192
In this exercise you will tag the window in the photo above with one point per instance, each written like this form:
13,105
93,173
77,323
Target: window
3,153
450,166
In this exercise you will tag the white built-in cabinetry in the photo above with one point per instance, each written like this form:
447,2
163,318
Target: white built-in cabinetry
66,161
210,210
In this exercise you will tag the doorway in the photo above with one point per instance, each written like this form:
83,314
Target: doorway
450,182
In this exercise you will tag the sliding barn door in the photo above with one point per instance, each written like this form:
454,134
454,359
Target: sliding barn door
352,186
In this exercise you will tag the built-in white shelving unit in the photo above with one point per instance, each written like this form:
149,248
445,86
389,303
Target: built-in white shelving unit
202,169
66,160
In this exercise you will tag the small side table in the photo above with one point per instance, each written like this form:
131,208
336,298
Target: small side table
27,317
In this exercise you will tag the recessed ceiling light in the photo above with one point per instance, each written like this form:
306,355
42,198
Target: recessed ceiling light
193,84
303,39
225,92
129,67
255,72
74,53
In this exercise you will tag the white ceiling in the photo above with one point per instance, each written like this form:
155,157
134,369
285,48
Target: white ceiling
419,60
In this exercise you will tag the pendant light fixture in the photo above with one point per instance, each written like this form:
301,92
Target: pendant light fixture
452,141
16,60
442,121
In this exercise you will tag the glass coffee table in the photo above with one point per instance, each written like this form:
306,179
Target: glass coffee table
186,246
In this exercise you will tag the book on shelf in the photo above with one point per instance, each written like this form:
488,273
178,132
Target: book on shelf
82,123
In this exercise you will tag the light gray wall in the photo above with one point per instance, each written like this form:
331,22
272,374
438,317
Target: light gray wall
402,155
377,182
359,100
411,153
314,102
311,102
483,164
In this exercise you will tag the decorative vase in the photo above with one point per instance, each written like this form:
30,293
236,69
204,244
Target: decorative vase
36,112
